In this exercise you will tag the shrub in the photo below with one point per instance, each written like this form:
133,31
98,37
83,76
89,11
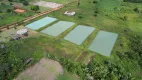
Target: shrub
7,27
80,16
10,0
11,4
96,10
20,22
95,15
9,10
15,27
35,8
136,10
140,63
26,34
1,11
11,39
25,3
95,1
124,18
3,4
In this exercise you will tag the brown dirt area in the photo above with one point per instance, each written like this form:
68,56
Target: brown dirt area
45,69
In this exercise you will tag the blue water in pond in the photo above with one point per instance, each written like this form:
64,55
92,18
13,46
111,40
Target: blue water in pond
41,23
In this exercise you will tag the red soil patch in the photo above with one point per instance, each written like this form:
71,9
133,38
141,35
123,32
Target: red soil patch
19,10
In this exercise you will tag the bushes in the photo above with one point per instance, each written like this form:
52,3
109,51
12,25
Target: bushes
125,18
9,10
80,15
140,63
26,3
137,10
34,8
10,0
95,1
106,71
10,63
7,27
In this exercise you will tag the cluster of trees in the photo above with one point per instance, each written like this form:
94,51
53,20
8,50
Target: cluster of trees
94,70
10,64
35,7
135,51
6,7
25,2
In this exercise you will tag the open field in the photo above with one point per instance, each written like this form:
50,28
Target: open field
111,22
119,18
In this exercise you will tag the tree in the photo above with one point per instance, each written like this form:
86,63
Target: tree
9,10
25,3
35,8
11,4
95,1
136,10
3,4
10,0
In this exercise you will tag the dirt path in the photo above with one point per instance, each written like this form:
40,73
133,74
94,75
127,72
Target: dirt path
3,28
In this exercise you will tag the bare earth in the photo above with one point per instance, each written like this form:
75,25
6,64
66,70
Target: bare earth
45,69
47,4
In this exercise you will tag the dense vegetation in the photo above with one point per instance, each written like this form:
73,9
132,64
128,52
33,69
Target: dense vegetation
107,70
13,61
10,63
95,70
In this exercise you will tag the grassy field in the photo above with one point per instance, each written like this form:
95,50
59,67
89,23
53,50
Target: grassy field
111,19
121,19
57,1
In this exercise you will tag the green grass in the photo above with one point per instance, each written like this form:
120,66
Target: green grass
60,1
67,76
108,21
